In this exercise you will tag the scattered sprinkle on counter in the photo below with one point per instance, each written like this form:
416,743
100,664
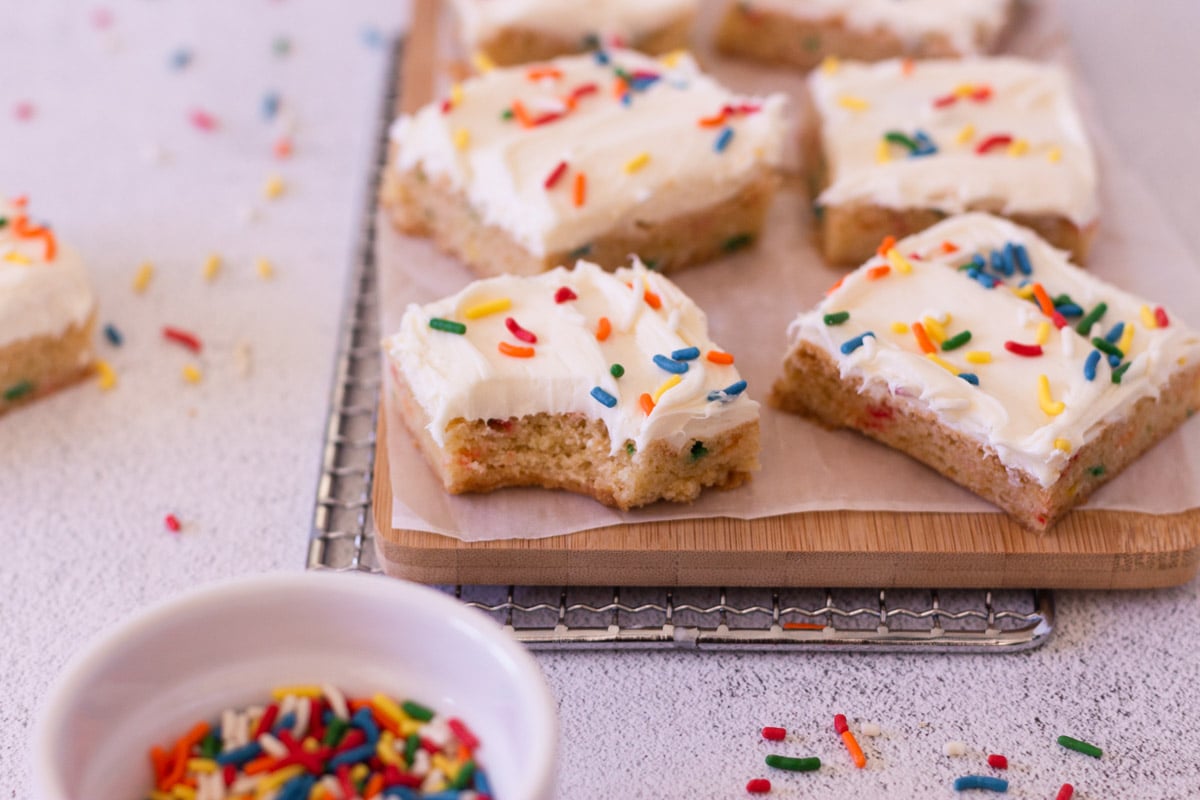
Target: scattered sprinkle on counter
274,187
172,523
141,280
264,269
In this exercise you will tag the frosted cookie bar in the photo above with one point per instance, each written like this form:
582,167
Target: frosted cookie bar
47,311
597,156
800,33
899,145
976,348
598,383
507,32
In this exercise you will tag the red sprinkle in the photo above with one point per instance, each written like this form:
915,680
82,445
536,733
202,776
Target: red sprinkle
188,340
447,104
1027,350
172,523
519,332
758,786
774,734
585,89
1160,316
981,94
1059,320
266,720
997,140
564,294
945,101
555,174
1065,792
203,120
839,723
462,733
24,110
229,774
997,761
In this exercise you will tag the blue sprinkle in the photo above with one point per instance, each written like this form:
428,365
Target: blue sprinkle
181,58
1114,336
1089,366
352,756
449,794
327,717
372,37
285,722
627,99
240,755
728,393
482,784
723,139
403,793
978,261
685,353
363,719
980,782
851,345
1022,259
644,82
1114,361
925,145
1010,258
603,397
270,105
986,280
297,788
601,57
671,365
113,335
1069,310
998,263
969,377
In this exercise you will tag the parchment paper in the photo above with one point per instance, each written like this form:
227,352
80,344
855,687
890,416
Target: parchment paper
750,298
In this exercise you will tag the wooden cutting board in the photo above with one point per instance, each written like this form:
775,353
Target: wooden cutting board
1087,550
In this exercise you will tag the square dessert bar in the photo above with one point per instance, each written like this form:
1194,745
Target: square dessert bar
900,145
519,31
801,33
598,156
978,349
598,383
47,312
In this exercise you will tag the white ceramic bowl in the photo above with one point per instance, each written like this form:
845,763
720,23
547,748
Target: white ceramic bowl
150,678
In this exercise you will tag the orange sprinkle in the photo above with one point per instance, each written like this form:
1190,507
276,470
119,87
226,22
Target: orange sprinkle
717,357
603,329
537,73
620,88
923,338
374,786
161,762
464,752
647,403
803,626
836,286
518,109
179,758
949,247
21,227
716,120
887,244
580,189
514,350
261,764
652,300
907,66
875,273
1043,299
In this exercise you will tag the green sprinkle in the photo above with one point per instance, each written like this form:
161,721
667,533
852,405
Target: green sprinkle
411,745
580,252
794,764
1097,470
837,318
449,326
1090,319
630,448
652,264
616,370
1063,300
896,137
622,74
1119,372
463,779
3,221
210,746
335,732
417,711
812,43
818,212
591,42
699,451
737,242
506,114
282,46
17,391
1105,346
1080,747
956,341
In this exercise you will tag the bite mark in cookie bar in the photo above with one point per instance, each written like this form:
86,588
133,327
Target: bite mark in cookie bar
595,157
976,348
801,33
598,383
898,146
47,312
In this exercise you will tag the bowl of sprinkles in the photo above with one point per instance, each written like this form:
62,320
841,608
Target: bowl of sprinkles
299,687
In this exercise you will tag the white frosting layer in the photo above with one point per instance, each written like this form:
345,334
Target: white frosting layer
466,376
503,165
962,22
623,20
1052,172
1004,412
38,297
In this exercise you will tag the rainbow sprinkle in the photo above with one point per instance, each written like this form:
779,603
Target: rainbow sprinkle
603,397
851,345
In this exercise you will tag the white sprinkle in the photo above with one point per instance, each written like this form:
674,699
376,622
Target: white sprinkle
432,781
246,784
272,746
421,763
303,712
337,701
1068,342
869,729
243,363
954,749
332,787
228,721
243,730
288,705
436,731
643,194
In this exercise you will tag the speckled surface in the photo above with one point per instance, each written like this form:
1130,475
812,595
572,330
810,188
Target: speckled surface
86,477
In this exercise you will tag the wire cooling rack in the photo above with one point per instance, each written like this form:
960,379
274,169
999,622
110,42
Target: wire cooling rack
702,618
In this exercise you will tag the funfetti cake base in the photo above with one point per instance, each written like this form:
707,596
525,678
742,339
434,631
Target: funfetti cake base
979,350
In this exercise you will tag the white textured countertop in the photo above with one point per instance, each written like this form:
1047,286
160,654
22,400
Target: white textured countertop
86,477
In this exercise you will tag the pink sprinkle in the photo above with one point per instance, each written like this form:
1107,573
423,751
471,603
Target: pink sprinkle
997,761
564,294
24,110
203,120
101,18
172,523
519,332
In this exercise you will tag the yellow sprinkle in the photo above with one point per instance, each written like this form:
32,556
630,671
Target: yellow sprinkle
979,357
192,374
462,138
672,58
310,745
1049,404
386,749
1182,361
964,89
853,103
157,795
202,765
212,265
899,327
1043,333
483,63
943,363
489,307
142,279
264,268
830,65
184,792
273,187
358,772
898,262
409,726
1055,155
1023,292
456,94
318,791
934,329
277,778
1148,318
387,706
1018,148
105,375
17,258
883,153
1062,444
448,768
637,162
667,384
1126,339
301,690
966,134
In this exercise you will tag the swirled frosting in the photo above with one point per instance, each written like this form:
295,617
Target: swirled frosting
606,20
655,334
1029,427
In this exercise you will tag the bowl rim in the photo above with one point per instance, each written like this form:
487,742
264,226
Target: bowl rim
69,684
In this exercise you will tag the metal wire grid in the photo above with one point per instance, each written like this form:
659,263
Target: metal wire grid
701,618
